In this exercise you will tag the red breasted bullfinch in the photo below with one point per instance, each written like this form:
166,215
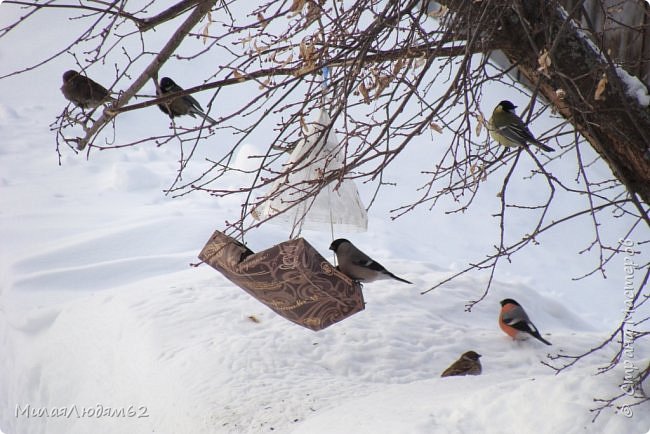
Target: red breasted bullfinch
357,265
183,105
515,322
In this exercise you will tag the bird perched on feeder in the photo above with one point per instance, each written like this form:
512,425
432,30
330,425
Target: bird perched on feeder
183,105
509,130
514,321
357,265
82,91
467,364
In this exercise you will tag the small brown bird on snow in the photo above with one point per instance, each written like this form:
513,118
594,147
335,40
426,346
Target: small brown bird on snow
468,364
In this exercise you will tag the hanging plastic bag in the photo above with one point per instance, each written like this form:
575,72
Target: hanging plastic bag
337,204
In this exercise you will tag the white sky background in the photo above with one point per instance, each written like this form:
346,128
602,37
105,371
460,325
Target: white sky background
430,236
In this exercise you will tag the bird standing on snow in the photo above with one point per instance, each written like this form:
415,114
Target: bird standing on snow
357,265
509,130
183,105
515,322
82,91
468,364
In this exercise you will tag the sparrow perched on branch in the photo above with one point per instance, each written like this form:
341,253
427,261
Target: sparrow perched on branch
514,321
467,364
509,130
357,265
82,91
183,105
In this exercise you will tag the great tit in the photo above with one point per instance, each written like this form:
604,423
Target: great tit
509,130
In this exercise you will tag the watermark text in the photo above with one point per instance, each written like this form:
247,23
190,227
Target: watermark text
76,411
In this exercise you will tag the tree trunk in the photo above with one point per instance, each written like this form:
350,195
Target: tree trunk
615,124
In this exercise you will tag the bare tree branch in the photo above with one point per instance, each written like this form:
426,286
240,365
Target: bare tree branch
151,71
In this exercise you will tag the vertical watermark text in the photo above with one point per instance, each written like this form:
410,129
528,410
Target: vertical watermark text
630,370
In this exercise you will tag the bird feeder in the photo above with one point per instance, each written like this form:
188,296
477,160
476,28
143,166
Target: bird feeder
291,278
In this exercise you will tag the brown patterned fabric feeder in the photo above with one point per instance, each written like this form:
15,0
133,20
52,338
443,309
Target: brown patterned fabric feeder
291,278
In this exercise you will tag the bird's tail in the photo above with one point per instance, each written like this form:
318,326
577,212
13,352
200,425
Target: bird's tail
209,119
540,338
543,147
196,111
399,278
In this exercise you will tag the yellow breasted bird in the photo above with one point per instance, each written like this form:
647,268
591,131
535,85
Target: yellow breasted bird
509,130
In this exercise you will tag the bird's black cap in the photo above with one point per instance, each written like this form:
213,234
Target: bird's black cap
166,84
508,301
507,105
336,243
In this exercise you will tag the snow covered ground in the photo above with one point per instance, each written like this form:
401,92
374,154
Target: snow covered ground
105,326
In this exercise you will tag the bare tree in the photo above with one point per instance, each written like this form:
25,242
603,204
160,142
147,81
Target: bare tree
399,69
